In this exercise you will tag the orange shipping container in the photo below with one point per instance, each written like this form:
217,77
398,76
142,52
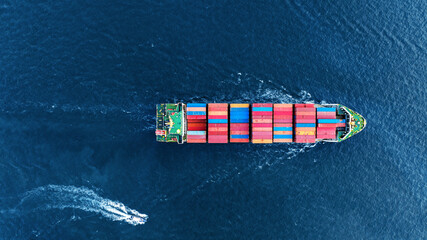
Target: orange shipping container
283,124
262,141
196,109
304,132
282,140
220,113
260,129
262,120
283,132
305,113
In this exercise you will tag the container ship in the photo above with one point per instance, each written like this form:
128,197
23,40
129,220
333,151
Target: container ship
259,123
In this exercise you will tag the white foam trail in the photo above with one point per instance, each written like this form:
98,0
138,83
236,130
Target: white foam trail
61,197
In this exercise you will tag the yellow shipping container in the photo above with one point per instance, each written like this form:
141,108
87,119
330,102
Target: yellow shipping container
239,105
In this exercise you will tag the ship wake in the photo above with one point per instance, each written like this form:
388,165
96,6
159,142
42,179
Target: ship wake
82,198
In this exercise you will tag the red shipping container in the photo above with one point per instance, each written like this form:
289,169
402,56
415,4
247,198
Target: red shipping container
217,124
286,109
262,120
218,139
239,140
218,117
239,124
262,113
283,120
262,117
326,117
297,137
327,125
262,134
283,124
340,124
330,136
239,128
191,128
239,132
283,113
306,141
304,117
305,121
262,105
197,124
196,136
196,116
305,110
283,116
326,113
262,124
217,132
326,129
196,120
196,140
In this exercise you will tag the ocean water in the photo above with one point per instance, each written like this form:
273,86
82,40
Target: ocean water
79,81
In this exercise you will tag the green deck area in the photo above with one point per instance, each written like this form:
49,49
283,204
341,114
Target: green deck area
357,123
169,125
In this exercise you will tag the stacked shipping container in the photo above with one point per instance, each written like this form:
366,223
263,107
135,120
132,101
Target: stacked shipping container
305,123
239,123
262,123
196,123
327,131
218,123
331,122
283,127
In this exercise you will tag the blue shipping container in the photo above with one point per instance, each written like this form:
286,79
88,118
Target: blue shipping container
330,120
239,109
282,136
196,113
282,128
306,124
239,120
262,109
196,132
240,136
326,109
217,121
196,104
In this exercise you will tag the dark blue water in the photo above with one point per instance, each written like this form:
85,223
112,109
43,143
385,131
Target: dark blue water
79,81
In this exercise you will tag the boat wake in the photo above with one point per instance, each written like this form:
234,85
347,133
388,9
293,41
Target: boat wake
62,197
